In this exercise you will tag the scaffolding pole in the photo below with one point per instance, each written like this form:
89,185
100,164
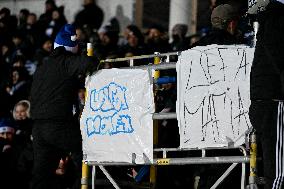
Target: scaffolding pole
182,161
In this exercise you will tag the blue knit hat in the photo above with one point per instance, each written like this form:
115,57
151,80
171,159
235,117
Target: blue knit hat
7,125
67,37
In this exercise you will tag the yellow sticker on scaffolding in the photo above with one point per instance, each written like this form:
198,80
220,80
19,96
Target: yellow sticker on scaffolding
163,161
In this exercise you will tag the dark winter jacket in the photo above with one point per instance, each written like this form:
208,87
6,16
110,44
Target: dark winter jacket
54,87
217,36
267,72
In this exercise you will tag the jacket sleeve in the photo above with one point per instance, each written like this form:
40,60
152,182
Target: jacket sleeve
273,39
78,65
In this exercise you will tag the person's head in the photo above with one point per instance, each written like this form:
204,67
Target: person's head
18,74
156,34
81,34
31,19
23,14
47,44
225,17
58,13
67,38
88,2
179,31
4,12
19,61
21,110
49,5
81,93
7,129
108,36
134,36
55,14
17,38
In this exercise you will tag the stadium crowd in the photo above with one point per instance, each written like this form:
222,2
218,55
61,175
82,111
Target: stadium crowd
26,40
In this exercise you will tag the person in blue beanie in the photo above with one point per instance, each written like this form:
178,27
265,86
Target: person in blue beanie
56,132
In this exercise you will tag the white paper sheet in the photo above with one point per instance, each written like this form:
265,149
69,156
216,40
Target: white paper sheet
213,95
116,123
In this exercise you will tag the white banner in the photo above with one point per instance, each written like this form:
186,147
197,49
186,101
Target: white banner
116,123
213,95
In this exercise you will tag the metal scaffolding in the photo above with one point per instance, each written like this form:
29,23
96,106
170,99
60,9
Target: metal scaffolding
165,160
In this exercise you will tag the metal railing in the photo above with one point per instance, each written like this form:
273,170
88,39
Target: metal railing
165,160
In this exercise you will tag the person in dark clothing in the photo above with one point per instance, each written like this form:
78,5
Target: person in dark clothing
157,40
21,115
135,45
19,86
57,21
180,41
224,25
9,153
46,17
107,46
44,51
56,131
91,16
267,90
224,20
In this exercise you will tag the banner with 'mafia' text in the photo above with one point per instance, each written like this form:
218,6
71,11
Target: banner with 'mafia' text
213,95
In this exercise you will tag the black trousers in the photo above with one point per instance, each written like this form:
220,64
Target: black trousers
51,141
267,118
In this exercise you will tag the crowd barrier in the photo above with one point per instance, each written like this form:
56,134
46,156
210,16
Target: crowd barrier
161,157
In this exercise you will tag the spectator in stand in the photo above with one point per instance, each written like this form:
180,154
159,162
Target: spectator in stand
44,51
82,38
21,115
180,41
135,45
107,46
19,86
23,139
157,40
8,155
224,20
22,45
91,16
46,17
5,64
58,20
22,18
8,24
18,61
33,31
